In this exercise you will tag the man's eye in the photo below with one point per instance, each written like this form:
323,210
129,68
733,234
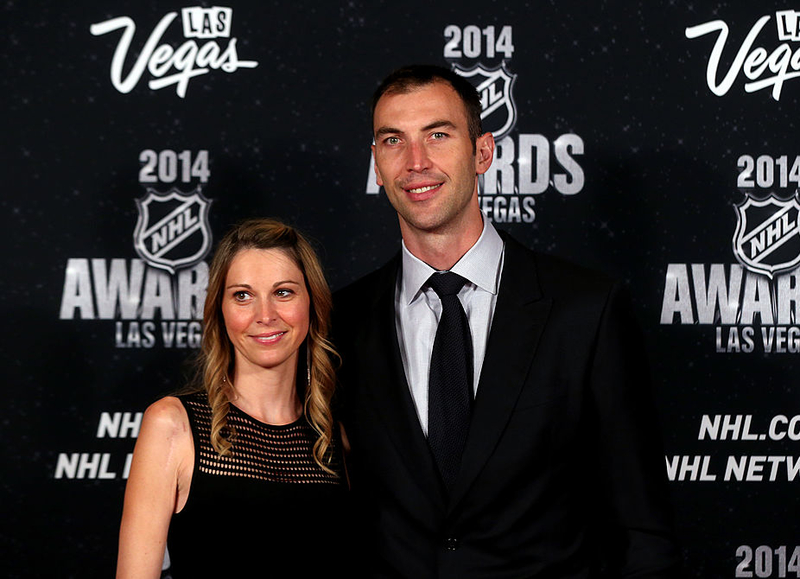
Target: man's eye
439,135
392,140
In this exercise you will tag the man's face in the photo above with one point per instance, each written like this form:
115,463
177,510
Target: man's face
424,157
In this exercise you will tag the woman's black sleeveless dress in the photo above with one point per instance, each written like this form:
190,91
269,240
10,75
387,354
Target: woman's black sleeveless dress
266,509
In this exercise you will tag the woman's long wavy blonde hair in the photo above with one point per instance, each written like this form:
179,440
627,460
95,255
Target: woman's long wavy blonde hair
215,372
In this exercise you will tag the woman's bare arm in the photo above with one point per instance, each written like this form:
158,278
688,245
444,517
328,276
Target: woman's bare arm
157,487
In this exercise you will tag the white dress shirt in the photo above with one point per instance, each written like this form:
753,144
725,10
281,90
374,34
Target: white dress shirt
418,308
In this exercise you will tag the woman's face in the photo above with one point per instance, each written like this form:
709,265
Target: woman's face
265,304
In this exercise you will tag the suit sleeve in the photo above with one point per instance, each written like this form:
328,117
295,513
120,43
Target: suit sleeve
638,533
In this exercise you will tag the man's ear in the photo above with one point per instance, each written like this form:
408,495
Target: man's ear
378,179
484,153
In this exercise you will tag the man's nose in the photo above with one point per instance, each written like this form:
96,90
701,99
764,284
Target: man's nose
418,159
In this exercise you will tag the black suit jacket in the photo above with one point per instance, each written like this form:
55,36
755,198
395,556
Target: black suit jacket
562,474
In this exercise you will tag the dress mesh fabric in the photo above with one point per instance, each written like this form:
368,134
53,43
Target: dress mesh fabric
262,451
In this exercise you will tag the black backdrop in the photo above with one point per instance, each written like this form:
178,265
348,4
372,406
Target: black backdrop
620,154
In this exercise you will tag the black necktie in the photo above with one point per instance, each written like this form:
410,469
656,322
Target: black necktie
450,380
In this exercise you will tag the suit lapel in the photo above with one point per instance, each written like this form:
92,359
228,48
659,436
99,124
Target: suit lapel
390,396
518,322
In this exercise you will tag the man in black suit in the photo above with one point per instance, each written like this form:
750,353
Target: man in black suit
508,433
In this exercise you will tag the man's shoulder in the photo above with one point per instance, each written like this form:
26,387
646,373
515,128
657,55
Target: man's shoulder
553,274
366,293
561,271
380,278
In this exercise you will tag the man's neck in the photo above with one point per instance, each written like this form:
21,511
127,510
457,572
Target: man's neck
442,249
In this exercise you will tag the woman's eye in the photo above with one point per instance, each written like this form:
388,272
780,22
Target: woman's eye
283,292
240,296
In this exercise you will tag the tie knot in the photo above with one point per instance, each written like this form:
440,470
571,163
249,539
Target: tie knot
446,284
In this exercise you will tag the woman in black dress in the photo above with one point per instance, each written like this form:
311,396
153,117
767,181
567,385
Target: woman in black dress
244,474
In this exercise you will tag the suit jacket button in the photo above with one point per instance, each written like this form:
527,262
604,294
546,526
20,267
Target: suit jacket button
451,544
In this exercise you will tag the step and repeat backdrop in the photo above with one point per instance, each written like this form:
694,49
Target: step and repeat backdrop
657,141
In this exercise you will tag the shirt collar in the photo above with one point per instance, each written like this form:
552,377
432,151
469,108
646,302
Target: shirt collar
480,265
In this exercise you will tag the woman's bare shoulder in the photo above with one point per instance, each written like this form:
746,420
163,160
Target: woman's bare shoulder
166,416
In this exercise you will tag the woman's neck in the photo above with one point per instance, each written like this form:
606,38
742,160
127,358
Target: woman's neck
268,394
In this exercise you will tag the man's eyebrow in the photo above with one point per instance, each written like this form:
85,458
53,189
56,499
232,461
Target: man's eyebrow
386,131
440,124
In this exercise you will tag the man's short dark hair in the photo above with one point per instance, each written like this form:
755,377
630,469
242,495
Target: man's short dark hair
408,78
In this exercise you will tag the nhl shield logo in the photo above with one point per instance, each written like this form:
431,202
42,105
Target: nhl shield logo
494,88
172,231
767,237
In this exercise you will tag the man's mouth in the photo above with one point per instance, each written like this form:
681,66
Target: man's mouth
423,189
